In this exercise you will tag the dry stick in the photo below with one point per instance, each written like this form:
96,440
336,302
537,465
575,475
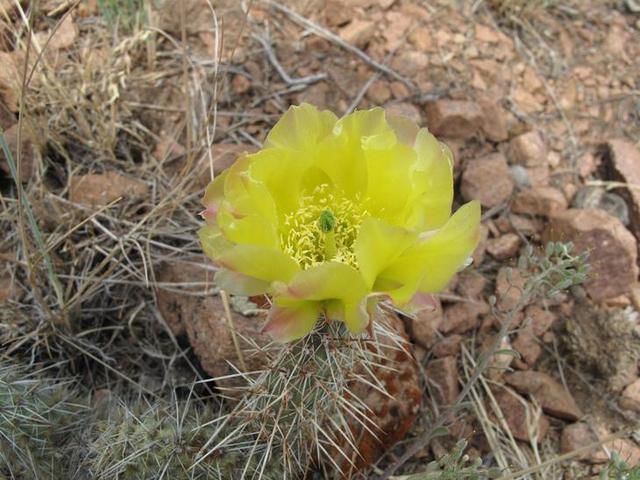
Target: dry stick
232,329
481,366
323,32
271,55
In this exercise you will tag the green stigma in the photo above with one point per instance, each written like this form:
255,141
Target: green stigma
327,221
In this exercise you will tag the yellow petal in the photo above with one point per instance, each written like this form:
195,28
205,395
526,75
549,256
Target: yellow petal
341,156
262,263
429,265
301,128
335,284
389,175
433,181
378,245
291,321
239,284
327,281
405,129
213,241
253,229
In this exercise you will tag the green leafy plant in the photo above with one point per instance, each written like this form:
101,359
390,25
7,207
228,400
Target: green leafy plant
618,469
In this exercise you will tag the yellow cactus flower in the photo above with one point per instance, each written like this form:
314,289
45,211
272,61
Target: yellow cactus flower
333,215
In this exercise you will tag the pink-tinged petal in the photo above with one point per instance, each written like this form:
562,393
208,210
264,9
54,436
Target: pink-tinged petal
210,214
378,245
291,321
356,316
239,284
263,263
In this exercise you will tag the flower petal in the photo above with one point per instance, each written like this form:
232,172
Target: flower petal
213,241
262,263
327,281
301,128
239,284
378,245
405,129
428,265
433,181
291,321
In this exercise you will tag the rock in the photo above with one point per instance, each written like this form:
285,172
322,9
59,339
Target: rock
448,346
630,399
454,118
63,37
538,176
488,180
240,84
526,344
503,247
379,92
423,327
27,154
494,123
10,75
540,319
98,189
509,286
471,285
612,249
7,118
358,32
8,290
519,416
597,197
442,374
527,226
577,436
176,295
462,317
551,395
626,449
543,201
603,342
405,109
621,161
410,63
528,149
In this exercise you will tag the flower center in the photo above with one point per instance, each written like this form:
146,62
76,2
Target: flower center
323,228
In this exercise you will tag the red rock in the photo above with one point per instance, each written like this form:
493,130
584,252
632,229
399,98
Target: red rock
622,160
538,176
358,32
526,344
442,374
519,415
27,154
462,317
626,449
550,394
494,124
423,327
98,189
503,247
379,92
612,249
410,63
528,149
509,286
530,227
541,319
453,118
448,346
8,288
543,201
488,180
630,399
399,90
577,436
240,84
471,285
486,34
405,109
